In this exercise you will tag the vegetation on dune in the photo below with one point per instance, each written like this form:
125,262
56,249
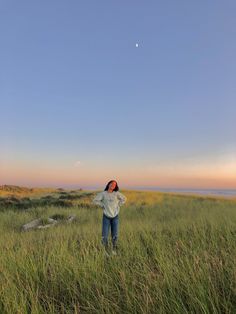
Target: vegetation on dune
177,254
19,191
23,203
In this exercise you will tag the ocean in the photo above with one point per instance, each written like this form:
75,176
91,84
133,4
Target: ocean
214,192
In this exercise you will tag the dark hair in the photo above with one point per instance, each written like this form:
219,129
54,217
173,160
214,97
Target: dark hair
115,189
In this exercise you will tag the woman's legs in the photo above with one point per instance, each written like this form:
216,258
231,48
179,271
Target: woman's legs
114,231
105,230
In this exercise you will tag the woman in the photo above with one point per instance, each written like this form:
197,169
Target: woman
111,200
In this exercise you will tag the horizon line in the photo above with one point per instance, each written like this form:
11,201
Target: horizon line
124,187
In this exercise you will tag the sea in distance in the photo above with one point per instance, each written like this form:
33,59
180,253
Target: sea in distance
216,192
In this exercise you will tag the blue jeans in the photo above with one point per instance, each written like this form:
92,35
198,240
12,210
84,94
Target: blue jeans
106,223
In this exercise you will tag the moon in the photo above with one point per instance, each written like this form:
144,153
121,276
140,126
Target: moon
77,163
136,45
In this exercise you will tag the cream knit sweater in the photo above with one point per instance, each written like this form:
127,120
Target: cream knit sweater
110,202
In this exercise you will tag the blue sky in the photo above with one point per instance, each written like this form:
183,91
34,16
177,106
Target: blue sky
74,87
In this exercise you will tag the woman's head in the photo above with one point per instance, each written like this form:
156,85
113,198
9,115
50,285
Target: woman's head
112,185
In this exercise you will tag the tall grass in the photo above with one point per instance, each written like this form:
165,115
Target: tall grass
176,254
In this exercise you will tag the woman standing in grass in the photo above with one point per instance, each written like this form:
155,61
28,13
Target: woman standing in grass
111,200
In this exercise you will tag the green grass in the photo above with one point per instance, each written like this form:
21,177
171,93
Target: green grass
177,254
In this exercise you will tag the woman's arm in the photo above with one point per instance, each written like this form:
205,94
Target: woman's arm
98,199
122,198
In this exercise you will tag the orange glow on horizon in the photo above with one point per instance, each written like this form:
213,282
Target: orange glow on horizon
180,176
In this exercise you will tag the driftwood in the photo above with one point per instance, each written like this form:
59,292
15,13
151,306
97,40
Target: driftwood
37,223
51,221
33,224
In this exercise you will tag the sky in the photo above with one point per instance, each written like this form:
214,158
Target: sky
139,92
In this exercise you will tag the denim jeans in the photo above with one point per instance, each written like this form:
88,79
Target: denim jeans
106,223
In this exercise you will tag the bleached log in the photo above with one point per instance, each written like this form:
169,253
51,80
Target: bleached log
37,223
45,226
32,224
52,221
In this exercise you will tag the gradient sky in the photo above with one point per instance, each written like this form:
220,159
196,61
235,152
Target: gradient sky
81,104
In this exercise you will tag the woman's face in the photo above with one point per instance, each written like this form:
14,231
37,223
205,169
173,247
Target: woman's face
112,185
